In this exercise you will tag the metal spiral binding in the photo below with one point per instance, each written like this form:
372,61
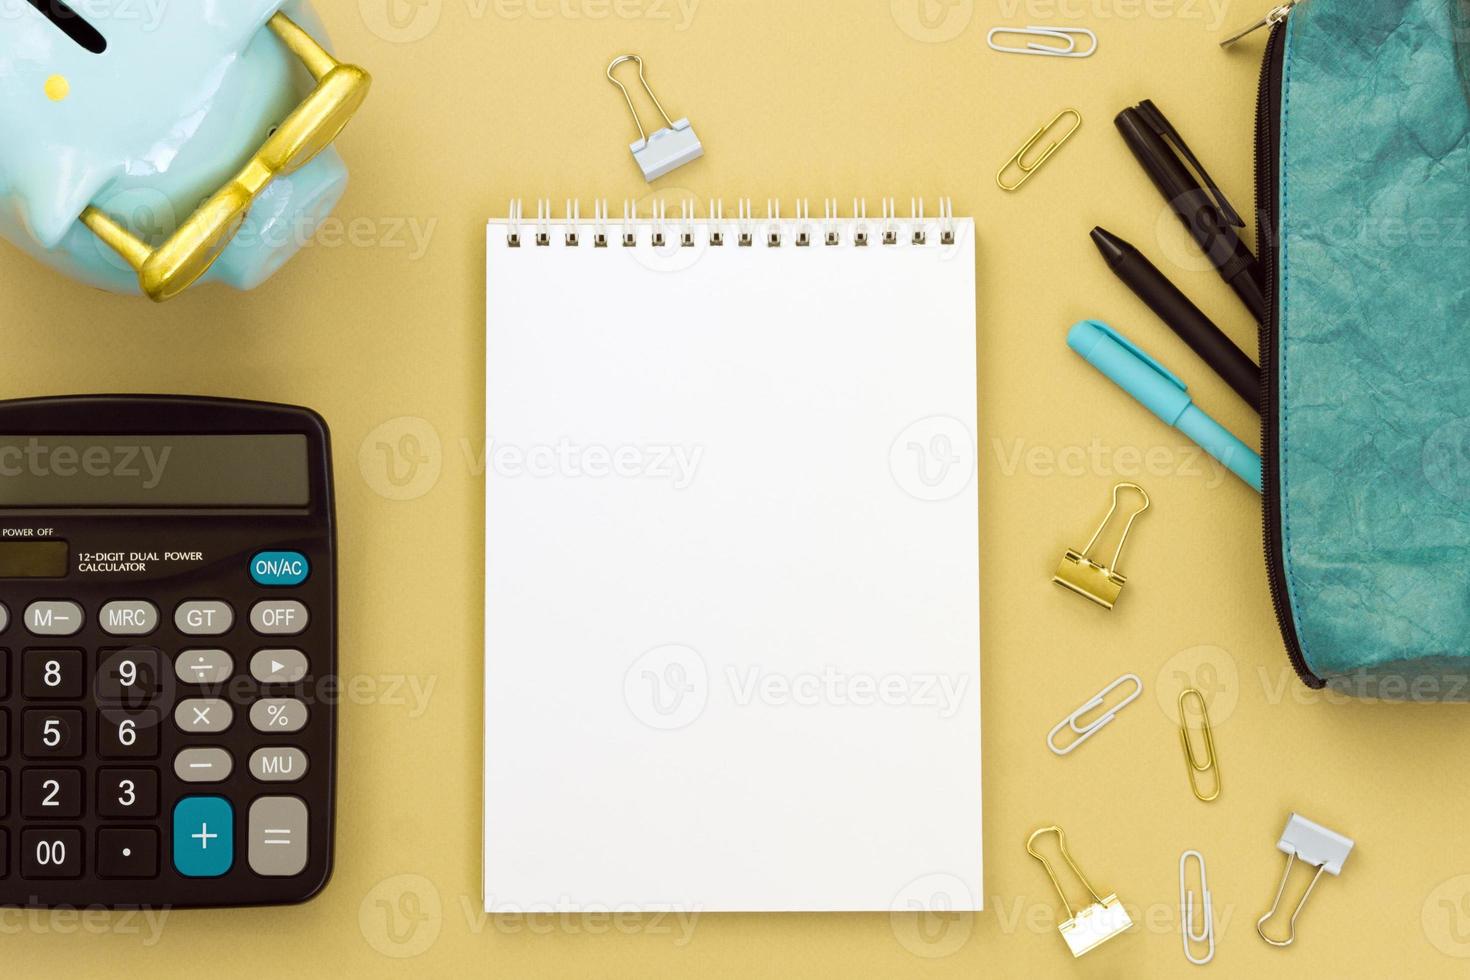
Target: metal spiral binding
773,228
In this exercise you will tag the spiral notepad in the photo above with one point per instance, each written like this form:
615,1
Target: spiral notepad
732,586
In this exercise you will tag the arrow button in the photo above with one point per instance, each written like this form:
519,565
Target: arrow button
278,666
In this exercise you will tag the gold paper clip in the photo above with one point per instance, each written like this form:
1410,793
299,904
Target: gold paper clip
1192,762
1102,920
174,266
1084,576
1019,159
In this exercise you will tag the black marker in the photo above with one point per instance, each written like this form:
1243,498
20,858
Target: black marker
1182,316
1207,215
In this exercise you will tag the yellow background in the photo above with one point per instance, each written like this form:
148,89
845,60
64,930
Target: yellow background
477,102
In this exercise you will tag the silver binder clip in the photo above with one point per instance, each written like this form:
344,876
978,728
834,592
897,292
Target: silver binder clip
1205,934
1084,732
1316,846
1102,920
668,148
1066,35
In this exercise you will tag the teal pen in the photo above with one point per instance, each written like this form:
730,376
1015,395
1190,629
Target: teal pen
1133,370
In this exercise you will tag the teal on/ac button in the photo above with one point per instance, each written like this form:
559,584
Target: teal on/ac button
204,836
279,568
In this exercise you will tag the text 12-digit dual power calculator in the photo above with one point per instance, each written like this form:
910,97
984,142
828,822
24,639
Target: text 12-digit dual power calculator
167,653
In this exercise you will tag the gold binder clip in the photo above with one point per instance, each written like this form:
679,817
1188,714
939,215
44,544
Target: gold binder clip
1094,925
1019,160
174,266
1084,576
1195,766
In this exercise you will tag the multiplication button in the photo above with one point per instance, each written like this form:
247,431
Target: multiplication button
203,716
278,836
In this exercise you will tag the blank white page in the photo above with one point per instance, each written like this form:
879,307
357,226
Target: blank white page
731,570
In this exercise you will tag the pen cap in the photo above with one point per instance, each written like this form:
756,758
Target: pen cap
1130,368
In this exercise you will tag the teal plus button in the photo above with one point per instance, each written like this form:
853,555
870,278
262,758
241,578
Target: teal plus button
204,836
279,568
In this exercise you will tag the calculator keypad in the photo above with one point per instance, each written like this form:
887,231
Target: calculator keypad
151,742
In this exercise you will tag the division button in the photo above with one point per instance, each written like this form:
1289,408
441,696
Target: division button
278,836
278,765
202,716
128,617
130,852
204,617
282,715
279,617
204,667
204,836
278,666
53,618
207,765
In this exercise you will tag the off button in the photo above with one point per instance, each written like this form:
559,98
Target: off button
277,569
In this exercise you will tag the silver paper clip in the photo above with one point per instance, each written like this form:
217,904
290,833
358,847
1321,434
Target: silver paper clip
1084,732
1067,35
1318,847
1205,935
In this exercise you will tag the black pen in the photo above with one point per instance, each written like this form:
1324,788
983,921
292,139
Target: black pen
1182,316
1207,214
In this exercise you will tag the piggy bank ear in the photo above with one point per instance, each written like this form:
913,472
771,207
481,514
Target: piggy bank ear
51,197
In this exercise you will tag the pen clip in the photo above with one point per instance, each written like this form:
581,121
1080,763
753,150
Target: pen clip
1165,130
1141,354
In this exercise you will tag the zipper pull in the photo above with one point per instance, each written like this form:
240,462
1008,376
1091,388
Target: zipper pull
1276,16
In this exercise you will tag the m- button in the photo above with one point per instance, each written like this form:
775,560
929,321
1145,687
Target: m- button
53,618
203,617
129,617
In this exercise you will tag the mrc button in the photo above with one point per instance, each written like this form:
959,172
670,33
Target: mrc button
279,568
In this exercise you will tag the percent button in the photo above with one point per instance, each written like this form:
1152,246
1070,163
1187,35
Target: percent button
278,715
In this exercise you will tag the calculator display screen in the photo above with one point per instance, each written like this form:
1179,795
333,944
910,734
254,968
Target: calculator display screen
33,559
154,471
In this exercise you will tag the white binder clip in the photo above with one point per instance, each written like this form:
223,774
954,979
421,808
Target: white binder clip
1315,845
1102,920
668,148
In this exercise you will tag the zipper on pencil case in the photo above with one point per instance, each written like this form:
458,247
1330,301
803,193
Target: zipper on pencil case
1268,214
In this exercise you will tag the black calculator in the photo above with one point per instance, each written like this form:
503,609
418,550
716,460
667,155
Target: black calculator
168,656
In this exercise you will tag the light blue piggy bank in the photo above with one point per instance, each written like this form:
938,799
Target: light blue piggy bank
119,117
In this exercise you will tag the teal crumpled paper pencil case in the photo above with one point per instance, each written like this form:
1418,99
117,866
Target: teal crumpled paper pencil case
1363,172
